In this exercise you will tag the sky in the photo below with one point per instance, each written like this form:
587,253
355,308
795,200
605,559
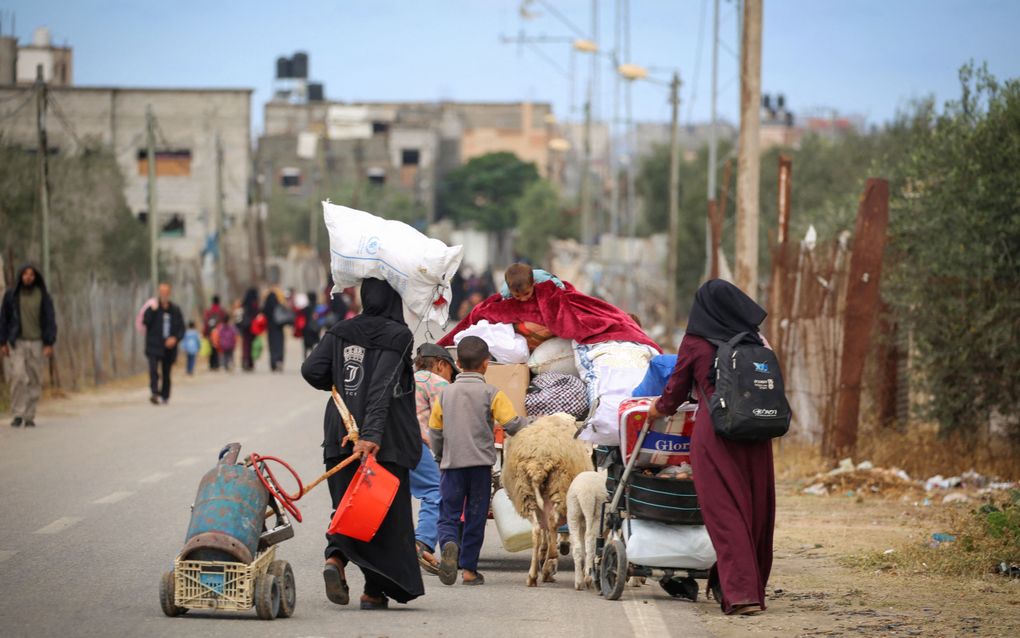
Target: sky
865,57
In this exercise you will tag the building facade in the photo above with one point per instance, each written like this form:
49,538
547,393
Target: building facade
191,125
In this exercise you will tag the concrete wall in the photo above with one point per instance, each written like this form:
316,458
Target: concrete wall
188,120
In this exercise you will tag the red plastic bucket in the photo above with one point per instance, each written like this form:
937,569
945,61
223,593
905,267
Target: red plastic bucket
364,505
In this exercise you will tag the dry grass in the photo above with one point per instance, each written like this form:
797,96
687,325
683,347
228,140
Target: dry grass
921,452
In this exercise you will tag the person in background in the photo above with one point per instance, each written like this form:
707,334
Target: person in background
434,370
367,360
164,327
214,316
191,344
519,281
226,342
735,479
311,330
28,330
462,429
249,310
278,315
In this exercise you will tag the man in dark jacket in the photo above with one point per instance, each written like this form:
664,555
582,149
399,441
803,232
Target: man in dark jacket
164,327
28,330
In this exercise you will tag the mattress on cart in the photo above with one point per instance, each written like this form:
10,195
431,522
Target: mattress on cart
654,544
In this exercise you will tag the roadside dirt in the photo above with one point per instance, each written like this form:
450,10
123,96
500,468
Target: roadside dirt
812,594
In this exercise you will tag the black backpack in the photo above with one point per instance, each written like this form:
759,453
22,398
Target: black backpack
749,403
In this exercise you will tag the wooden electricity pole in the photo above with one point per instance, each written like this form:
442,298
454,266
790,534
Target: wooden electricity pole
586,216
44,167
672,259
219,286
150,162
748,159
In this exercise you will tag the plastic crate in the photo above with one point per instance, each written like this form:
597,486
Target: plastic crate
201,584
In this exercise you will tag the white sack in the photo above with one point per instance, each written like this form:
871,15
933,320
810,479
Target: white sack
655,544
505,345
554,355
612,370
363,246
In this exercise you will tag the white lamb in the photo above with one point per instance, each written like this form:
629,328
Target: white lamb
585,497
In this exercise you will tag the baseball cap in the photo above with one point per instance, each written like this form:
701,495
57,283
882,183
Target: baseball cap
433,350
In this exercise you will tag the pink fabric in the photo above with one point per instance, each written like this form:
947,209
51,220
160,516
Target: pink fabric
566,312
735,483
428,385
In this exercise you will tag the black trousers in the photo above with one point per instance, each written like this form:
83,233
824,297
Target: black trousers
158,366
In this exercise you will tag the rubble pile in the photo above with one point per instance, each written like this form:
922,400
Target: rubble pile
864,477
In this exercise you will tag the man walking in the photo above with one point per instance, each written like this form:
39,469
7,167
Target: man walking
164,327
28,330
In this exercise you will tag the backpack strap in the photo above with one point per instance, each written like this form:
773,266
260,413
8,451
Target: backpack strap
737,338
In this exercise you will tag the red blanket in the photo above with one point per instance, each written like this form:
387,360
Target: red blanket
567,313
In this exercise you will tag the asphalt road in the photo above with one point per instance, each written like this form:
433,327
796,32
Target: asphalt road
95,503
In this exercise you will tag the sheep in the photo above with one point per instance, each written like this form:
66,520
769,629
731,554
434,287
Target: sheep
585,498
541,460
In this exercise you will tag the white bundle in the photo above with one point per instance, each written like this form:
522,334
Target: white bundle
362,245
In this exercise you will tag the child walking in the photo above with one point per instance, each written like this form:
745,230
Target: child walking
461,428
191,343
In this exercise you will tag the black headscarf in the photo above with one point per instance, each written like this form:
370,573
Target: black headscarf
721,311
381,322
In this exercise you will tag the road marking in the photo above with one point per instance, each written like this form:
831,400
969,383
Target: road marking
58,525
112,498
645,618
191,460
5,554
152,478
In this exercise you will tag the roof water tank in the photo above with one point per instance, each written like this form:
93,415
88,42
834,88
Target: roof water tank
299,65
315,91
283,69
41,37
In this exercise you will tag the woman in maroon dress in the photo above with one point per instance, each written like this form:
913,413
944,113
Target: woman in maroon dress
735,481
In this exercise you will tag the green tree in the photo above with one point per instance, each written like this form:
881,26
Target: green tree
484,190
541,216
955,242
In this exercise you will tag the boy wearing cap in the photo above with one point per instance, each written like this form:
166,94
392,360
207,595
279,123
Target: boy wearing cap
461,427
434,370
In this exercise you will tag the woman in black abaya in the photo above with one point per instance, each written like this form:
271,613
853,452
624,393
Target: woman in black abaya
367,358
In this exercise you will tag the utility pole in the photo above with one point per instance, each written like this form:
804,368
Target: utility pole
748,159
674,203
315,213
713,148
586,238
150,162
219,285
44,167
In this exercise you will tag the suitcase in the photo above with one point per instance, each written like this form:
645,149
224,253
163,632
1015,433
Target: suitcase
668,441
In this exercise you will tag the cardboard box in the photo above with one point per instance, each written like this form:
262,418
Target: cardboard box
513,379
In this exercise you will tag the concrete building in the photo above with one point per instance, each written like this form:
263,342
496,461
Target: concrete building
406,145
56,62
189,123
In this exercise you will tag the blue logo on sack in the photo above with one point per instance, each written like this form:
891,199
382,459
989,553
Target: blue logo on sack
373,246
760,367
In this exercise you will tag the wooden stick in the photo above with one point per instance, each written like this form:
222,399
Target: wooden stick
345,415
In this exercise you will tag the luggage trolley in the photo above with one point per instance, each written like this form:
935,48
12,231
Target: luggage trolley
635,497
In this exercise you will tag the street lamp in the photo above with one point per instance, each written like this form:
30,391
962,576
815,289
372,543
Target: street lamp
586,46
633,72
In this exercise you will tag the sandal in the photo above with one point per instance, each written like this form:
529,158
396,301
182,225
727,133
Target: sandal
336,585
448,565
371,602
746,610
430,566
477,580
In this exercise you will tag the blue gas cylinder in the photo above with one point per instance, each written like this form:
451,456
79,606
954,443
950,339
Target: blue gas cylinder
229,512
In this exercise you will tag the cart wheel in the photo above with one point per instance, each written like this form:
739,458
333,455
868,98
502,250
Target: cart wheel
285,579
267,596
166,596
614,570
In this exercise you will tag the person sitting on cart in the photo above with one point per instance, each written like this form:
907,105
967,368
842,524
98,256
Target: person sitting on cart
367,359
735,479
462,429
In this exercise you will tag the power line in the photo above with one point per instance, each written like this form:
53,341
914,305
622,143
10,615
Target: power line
62,118
562,18
7,116
697,64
